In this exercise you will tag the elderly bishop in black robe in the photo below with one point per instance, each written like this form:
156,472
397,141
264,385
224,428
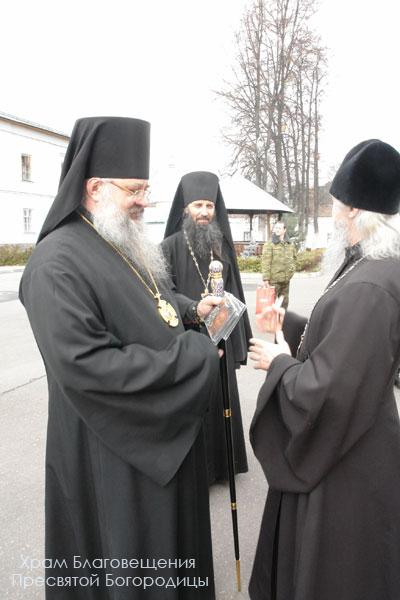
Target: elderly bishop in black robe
326,430
197,232
127,513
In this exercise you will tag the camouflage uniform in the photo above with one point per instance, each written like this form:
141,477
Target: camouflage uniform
278,264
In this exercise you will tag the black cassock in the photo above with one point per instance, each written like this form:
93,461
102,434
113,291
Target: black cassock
189,287
326,432
126,474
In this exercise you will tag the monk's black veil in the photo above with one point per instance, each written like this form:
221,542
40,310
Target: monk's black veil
110,147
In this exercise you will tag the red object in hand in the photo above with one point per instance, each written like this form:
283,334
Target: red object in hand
265,296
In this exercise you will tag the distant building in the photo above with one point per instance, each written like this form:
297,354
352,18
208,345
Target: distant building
30,166
250,209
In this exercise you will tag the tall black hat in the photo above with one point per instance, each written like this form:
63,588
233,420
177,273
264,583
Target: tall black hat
199,185
114,147
369,178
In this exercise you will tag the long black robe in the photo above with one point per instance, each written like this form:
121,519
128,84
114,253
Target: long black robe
189,287
326,432
126,472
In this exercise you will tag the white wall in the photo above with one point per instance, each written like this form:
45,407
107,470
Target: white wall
47,152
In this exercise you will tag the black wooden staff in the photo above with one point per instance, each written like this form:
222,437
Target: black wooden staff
230,452
217,289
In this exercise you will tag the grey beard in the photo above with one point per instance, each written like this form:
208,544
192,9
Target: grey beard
335,251
128,236
203,238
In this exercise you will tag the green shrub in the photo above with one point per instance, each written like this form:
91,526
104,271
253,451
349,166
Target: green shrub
307,260
12,254
249,264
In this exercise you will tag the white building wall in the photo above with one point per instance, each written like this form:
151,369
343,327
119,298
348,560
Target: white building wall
47,152
239,225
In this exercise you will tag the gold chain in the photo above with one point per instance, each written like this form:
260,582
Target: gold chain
128,262
205,283
165,309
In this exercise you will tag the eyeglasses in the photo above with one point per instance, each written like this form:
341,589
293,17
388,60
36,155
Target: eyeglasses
139,193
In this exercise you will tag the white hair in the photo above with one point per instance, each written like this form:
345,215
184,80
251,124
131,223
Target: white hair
379,237
115,225
380,234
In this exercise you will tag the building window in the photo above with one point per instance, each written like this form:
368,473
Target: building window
247,236
26,165
27,220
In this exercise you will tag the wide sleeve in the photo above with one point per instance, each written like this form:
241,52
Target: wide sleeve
145,404
310,414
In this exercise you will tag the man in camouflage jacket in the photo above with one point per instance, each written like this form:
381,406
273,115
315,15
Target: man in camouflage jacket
278,262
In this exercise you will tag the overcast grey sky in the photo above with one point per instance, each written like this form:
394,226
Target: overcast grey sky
162,59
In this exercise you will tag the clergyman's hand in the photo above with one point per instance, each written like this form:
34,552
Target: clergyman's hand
263,353
206,305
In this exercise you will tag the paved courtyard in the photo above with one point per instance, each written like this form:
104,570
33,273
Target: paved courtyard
23,407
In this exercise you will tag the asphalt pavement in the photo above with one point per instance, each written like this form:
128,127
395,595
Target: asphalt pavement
23,414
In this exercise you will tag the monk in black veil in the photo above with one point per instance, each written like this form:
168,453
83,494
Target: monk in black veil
126,476
198,231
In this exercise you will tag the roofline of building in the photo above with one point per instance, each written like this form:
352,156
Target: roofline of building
257,211
31,125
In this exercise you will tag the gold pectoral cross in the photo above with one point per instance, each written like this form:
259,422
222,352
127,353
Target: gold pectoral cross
167,311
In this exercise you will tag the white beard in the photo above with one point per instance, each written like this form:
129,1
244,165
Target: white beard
128,236
335,251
